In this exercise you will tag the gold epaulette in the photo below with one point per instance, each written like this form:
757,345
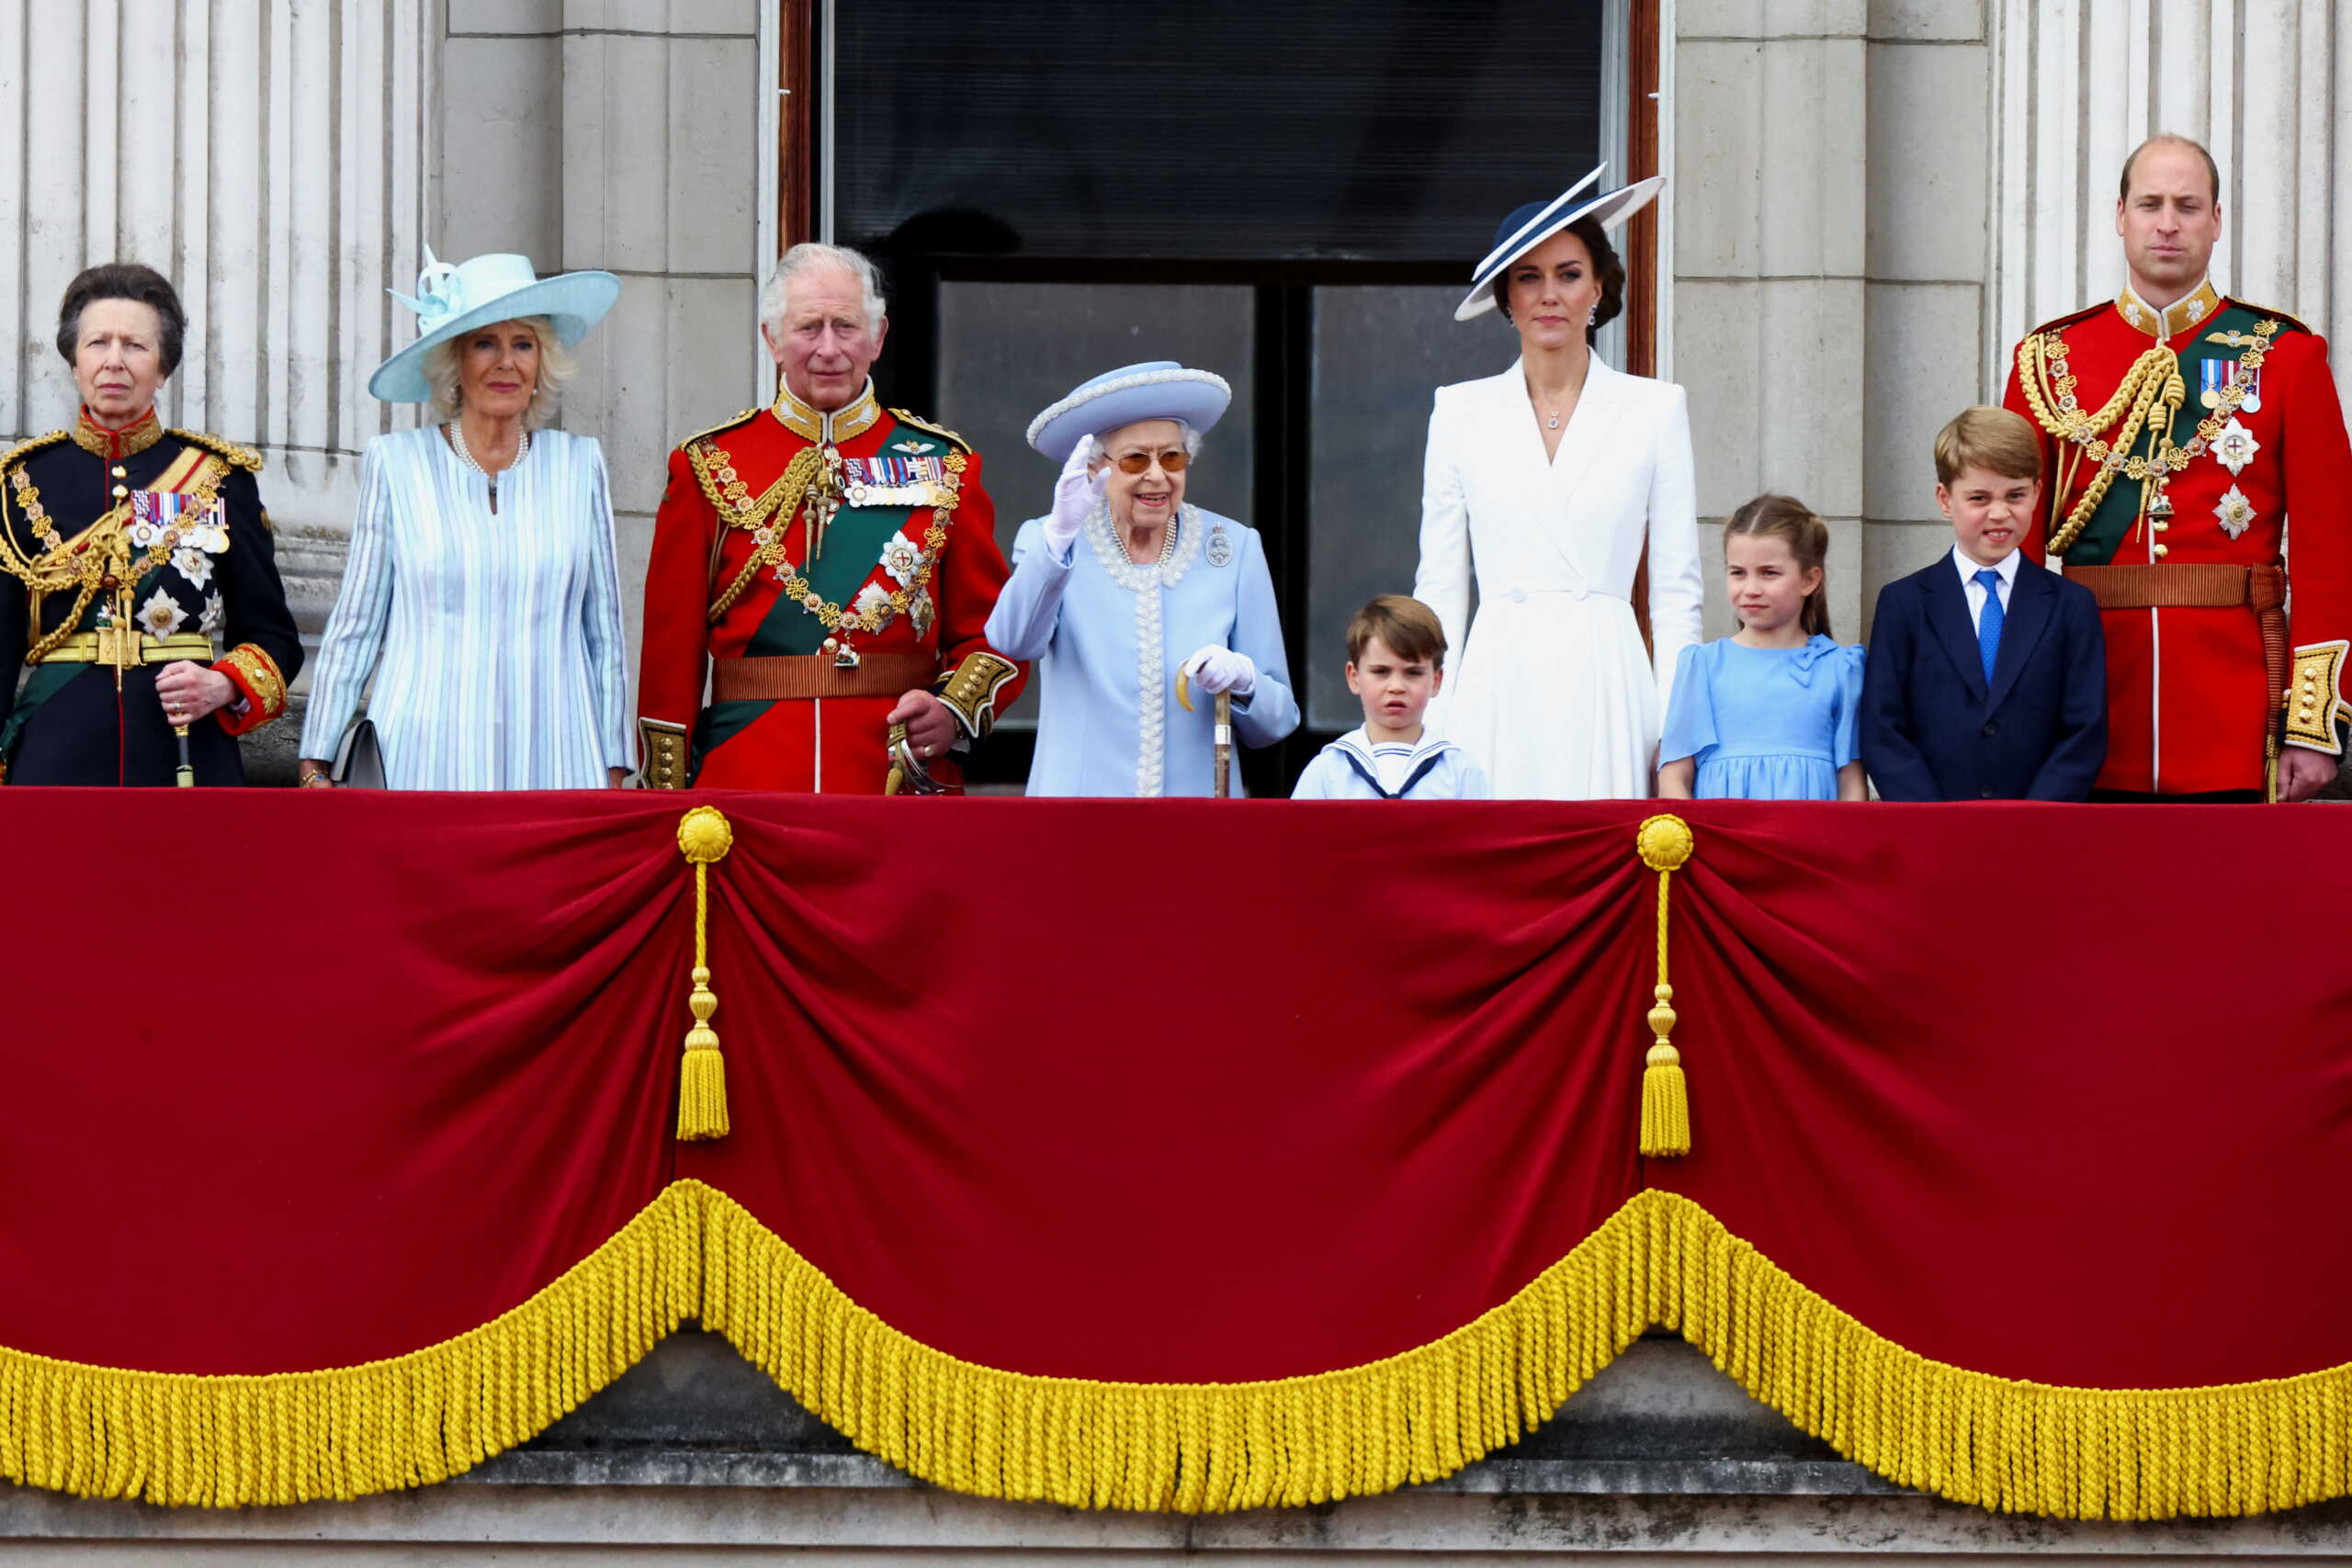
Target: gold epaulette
2055,322
2266,313
903,417
229,452
25,448
723,424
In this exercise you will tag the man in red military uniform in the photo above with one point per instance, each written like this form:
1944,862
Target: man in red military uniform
829,566
2181,431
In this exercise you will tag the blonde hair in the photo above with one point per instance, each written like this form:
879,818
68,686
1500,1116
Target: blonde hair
1787,518
557,368
1989,438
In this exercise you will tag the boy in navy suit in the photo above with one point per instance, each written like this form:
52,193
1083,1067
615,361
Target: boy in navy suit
1987,674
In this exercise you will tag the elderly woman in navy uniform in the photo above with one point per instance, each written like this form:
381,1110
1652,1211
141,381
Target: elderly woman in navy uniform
1552,478
140,582
1154,588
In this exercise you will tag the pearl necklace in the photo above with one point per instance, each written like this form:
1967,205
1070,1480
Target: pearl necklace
457,433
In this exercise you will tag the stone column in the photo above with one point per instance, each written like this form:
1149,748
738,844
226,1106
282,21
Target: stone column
266,157
1767,183
2266,84
644,131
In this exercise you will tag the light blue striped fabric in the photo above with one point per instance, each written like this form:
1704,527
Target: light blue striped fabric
495,641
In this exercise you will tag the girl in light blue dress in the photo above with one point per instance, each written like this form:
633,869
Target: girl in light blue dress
1768,712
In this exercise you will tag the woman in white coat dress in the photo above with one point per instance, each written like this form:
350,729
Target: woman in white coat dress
1549,480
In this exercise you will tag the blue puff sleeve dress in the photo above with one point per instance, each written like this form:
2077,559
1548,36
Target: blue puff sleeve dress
1765,723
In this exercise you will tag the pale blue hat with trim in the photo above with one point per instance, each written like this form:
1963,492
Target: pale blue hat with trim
1157,389
1539,220
454,300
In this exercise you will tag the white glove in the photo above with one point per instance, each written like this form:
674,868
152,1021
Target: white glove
1215,670
1076,495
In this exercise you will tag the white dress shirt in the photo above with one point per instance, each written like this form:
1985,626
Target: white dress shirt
1968,569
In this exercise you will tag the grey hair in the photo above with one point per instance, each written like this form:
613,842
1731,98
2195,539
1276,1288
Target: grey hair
809,256
557,368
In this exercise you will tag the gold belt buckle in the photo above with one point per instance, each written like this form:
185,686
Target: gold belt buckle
118,646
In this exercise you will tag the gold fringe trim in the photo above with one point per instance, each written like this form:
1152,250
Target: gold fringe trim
181,1438
1187,1448
1997,1443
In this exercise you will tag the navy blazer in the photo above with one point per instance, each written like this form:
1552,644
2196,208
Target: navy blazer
1930,731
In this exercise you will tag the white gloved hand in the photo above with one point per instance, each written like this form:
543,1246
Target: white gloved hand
1215,670
1076,495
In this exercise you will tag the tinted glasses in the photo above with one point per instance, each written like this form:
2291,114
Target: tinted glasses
1170,462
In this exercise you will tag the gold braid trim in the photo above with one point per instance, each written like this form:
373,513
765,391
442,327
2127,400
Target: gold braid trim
774,511
1994,1443
228,451
2153,378
223,1442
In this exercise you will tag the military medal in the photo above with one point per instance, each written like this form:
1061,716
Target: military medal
2234,447
1220,548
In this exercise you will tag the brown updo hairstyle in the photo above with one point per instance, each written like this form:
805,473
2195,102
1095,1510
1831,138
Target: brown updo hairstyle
1605,266
1786,517
123,280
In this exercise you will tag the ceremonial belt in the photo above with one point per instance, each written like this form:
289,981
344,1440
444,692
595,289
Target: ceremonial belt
786,677
127,647
2209,586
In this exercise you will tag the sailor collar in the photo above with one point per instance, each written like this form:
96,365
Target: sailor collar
2200,304
829,428
100,441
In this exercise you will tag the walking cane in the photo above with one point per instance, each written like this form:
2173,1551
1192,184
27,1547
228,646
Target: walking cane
1223,731
185,775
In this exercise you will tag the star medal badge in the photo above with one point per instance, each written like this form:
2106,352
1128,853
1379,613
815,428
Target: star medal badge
1220,548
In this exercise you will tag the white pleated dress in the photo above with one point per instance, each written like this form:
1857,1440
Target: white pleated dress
495,639
1550,688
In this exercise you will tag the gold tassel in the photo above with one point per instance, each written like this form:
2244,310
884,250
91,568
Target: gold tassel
1665,843
703,837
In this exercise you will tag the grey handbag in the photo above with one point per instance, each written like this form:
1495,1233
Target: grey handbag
358,761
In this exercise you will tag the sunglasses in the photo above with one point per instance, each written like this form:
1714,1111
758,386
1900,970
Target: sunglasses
1139,462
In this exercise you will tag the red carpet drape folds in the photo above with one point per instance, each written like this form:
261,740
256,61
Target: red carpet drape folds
1186,1156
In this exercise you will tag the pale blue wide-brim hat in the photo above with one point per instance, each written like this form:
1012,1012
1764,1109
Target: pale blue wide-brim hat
1157,389
453,300
1539,220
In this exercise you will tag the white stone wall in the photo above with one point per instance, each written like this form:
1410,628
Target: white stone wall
1829,192
1873,201
2266,85
272,158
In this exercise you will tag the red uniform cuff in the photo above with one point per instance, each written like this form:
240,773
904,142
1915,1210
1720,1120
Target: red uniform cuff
258,680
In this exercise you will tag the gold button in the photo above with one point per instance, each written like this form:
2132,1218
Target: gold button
119,471
2160,552
119,493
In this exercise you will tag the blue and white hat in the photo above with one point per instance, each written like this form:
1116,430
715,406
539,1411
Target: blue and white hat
453,300
1539,220
1157,389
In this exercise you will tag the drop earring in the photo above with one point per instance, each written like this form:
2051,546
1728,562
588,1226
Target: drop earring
1592,317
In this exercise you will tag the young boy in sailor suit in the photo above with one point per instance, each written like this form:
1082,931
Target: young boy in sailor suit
1396,664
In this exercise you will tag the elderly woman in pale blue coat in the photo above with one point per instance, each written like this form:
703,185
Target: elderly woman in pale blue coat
480,617
1122,586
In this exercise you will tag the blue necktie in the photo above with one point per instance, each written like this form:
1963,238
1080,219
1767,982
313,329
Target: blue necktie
1988,625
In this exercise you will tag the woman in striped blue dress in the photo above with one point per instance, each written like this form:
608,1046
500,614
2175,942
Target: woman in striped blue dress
481,598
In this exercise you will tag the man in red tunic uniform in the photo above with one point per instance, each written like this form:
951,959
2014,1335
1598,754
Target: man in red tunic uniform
2181,431
829,565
